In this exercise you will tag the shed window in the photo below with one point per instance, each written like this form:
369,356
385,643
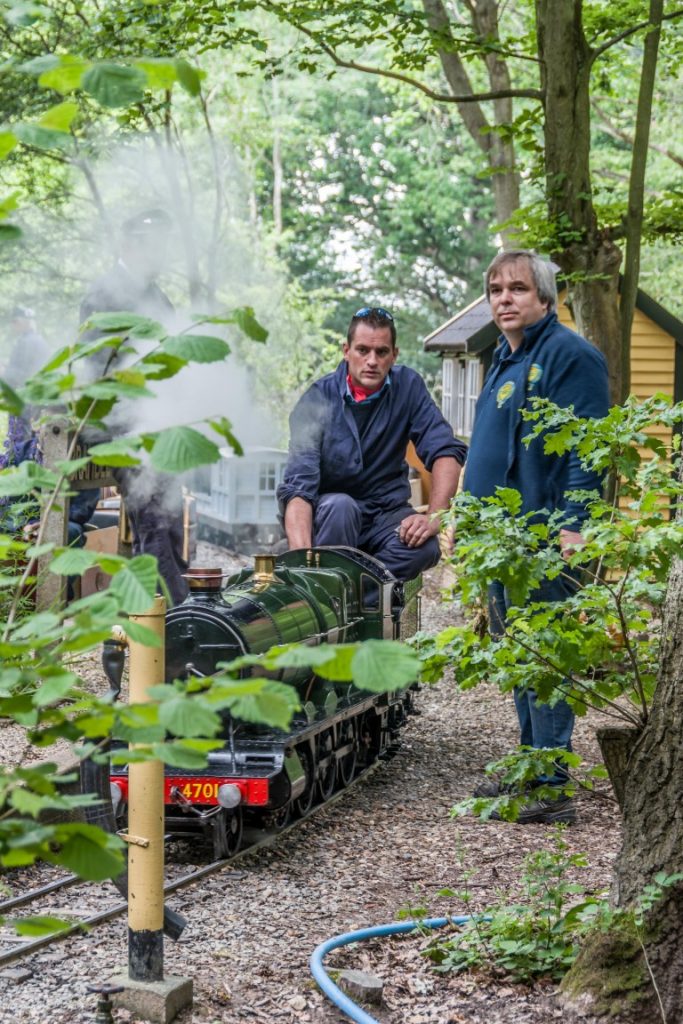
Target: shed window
461,386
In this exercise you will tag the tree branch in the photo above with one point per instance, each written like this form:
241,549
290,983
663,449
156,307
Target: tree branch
623,136
599,50
440,97
636,196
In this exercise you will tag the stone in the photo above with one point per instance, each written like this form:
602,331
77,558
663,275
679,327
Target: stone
361,985
16,974
159,1002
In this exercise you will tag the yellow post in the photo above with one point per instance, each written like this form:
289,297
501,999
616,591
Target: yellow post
146,819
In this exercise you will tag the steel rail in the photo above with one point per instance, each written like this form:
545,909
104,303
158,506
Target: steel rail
20,952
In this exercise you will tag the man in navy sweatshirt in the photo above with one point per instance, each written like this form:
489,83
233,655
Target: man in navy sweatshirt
536,356
346,481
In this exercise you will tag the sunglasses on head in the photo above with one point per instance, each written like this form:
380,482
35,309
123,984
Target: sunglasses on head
373,310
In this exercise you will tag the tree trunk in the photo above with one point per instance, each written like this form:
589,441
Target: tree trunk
652,843
636,189
588,258
594,301
499,152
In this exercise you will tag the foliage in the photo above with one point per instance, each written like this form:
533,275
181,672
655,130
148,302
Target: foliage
537,938
599,647
541,936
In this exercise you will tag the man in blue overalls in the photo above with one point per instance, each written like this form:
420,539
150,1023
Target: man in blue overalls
537,356
346,481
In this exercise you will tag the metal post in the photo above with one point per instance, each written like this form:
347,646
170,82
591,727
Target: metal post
146,820
50,588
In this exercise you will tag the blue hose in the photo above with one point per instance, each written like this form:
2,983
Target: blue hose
332,991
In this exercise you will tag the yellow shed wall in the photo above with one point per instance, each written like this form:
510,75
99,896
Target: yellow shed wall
652,354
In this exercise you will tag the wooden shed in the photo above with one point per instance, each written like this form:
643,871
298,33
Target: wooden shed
467,341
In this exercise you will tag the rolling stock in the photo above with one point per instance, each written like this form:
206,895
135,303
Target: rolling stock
263,776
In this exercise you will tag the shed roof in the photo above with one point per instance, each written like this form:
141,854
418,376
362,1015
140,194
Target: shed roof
472,329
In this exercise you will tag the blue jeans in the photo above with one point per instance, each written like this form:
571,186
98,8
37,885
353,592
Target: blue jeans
339,520
540,725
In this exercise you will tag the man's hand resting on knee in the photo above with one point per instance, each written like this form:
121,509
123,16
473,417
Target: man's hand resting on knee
415,530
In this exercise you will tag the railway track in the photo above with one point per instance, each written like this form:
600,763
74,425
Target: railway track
23,947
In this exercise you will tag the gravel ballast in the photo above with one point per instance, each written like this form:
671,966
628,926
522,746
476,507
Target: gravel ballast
386,845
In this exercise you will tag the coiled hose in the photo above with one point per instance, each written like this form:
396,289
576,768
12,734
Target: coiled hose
332,991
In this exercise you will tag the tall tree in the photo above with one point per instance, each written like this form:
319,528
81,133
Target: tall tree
502,66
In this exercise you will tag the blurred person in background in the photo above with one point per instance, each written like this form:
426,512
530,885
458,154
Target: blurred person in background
154,501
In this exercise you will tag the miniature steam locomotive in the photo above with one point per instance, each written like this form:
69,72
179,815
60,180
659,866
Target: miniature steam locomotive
262,776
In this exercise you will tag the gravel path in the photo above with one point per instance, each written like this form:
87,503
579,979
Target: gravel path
386,845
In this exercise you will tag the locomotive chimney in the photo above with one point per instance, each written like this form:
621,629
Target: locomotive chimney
205,580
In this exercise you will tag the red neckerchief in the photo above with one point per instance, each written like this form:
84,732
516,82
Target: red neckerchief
358,392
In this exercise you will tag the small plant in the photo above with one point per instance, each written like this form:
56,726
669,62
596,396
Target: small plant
527,941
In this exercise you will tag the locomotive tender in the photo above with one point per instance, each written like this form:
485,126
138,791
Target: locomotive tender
263,775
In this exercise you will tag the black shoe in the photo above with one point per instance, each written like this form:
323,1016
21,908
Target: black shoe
489,788
545,812
494,787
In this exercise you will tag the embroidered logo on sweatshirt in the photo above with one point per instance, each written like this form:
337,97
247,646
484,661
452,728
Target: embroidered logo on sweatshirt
535,374
505,391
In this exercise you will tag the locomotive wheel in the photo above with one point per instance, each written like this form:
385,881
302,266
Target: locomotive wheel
347,764
328,777
277,821
303,804
226,833
369,738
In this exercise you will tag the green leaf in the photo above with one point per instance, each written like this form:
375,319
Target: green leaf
115,85
64,76
136,585
141,634
60,117
42,138
384,665
247,322
73,562
185,716
9,400
189,77
8,141
90,853
197,348
160,72
161,366
125,322
10,232
191,754
40,624
223,427
54,689
181,448
26,477
339,668
37,926
22,14
274,705
114,453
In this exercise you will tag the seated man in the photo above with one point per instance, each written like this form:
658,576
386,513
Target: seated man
346,481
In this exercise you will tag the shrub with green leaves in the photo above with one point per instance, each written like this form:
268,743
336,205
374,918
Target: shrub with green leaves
540,936
599,647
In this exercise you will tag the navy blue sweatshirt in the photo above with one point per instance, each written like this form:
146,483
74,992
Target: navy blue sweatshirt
552,362
328,455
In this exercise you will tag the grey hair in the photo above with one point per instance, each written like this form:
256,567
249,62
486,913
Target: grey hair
542,273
